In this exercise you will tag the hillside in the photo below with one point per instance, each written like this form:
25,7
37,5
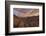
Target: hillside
26,21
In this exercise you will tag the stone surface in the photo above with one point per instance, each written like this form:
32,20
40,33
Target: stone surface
26,21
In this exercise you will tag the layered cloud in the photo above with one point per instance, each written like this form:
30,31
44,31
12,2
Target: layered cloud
21,12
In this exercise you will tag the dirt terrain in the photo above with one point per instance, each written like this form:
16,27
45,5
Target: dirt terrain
26,21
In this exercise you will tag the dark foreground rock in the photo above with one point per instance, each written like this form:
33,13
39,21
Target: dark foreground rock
26,21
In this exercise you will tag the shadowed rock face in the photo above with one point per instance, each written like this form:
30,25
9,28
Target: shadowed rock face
26,21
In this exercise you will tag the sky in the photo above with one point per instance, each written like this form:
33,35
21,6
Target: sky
23,12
